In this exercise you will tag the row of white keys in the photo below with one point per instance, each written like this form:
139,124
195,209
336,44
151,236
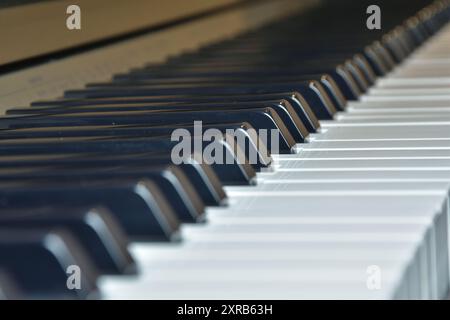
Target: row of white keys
359,212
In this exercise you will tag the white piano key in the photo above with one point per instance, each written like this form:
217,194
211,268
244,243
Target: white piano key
279,188
369,164
385,133
405,98
408,103
377,145
424,71
330,124
388,109
160,277
399,82
436,90
132,288
357,155
356,176
344,205
440,117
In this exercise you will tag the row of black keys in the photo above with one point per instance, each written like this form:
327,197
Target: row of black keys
81,176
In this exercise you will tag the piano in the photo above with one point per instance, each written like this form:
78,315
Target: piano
225,150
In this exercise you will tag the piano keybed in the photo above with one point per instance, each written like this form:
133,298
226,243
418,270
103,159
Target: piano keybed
352,205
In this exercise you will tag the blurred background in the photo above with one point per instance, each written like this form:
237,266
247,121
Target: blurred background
33,28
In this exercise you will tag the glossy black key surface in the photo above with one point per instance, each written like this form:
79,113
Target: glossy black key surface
41,260
139,206
242,131
172,182
259,118
232,173
312,91
289,114
9,289
94,228
282,108
344,81
180,193
349,80
300,105
334,87
205,180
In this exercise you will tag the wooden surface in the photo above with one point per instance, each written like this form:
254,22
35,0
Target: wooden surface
49,80
38,28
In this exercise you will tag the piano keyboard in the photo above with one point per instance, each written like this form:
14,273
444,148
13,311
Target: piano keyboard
353,204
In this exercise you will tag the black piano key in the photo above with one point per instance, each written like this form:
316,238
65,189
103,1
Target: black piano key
384,55
346,79
283,108
94,228
233,172
181,194
9,289
378,64
255,146
332,88
365,66
40,261
259,118
236,173
85,145
358,75
139,206
416,30
312,91
391,43
271,77
294,98
201,175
